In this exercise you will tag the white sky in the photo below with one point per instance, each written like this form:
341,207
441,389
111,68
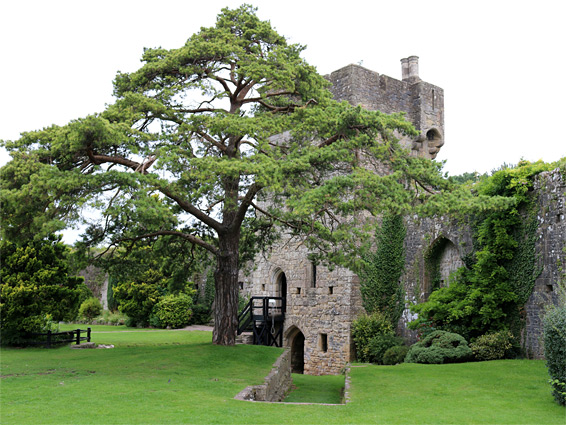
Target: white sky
501,63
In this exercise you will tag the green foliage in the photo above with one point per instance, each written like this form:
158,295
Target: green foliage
112,304
173,311
201,315
90,308
380,274
555,351
395,355
366,327
137,298
379,344
488,294
440,347
493,346
36,288
145,272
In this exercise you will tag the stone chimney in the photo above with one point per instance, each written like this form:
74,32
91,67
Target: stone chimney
410,68
405,68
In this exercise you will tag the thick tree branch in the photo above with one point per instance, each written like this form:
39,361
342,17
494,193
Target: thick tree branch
189,237
271,216
194,211
267,95
211,140
245,204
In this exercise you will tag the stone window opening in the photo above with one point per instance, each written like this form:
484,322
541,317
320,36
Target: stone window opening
549,288
330,290
263,286
241,285
299,291
323,342
432,134
313,275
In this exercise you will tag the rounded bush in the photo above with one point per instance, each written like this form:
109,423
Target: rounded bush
90,308
555,351
492,346
379,344
172,311
366,327
440,347
395,355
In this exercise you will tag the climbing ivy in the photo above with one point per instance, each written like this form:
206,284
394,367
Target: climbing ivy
382,269
488,293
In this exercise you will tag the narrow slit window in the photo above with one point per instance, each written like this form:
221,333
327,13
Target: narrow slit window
313,275
324,343
330,290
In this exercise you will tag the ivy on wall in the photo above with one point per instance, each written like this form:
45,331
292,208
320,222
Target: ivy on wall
381,271
488,294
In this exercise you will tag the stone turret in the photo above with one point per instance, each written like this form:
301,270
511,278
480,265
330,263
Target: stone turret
422,102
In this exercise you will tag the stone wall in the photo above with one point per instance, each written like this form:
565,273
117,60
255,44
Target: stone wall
276,384
550,247
321,305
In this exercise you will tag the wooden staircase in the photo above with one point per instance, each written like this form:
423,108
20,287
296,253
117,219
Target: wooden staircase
263,317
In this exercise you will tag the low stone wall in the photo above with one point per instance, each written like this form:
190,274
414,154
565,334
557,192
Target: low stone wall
277,383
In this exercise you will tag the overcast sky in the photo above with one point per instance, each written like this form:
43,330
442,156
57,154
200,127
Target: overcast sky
501,63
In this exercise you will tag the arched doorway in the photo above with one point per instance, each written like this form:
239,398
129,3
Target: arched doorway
298,353
281,288
442,259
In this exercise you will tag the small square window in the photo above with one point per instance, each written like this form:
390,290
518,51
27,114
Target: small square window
330,290
263,286
298,291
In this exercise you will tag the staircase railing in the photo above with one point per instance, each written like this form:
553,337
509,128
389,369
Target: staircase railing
264,318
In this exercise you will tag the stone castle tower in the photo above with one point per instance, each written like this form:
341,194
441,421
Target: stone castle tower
422,102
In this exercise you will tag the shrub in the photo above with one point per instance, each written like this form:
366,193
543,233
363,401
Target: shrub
137,299
395,355
439,347
493,346
90,308
201,315
555,351
35,284
172,311
379,344
366,327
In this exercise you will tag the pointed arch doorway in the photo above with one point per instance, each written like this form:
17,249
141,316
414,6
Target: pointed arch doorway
297,342
281,290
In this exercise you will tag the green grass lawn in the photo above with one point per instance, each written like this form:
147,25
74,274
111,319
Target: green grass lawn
161,377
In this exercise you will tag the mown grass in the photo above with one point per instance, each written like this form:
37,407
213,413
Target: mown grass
316,389
162,377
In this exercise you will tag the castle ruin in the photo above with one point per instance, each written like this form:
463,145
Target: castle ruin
320,304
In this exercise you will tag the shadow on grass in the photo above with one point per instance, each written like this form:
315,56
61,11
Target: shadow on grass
326,389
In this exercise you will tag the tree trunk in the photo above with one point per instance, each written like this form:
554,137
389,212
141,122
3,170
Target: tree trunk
226,296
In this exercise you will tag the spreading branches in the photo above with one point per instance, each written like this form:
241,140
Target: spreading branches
191,238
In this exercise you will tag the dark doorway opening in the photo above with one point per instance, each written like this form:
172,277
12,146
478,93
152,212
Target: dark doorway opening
298,353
